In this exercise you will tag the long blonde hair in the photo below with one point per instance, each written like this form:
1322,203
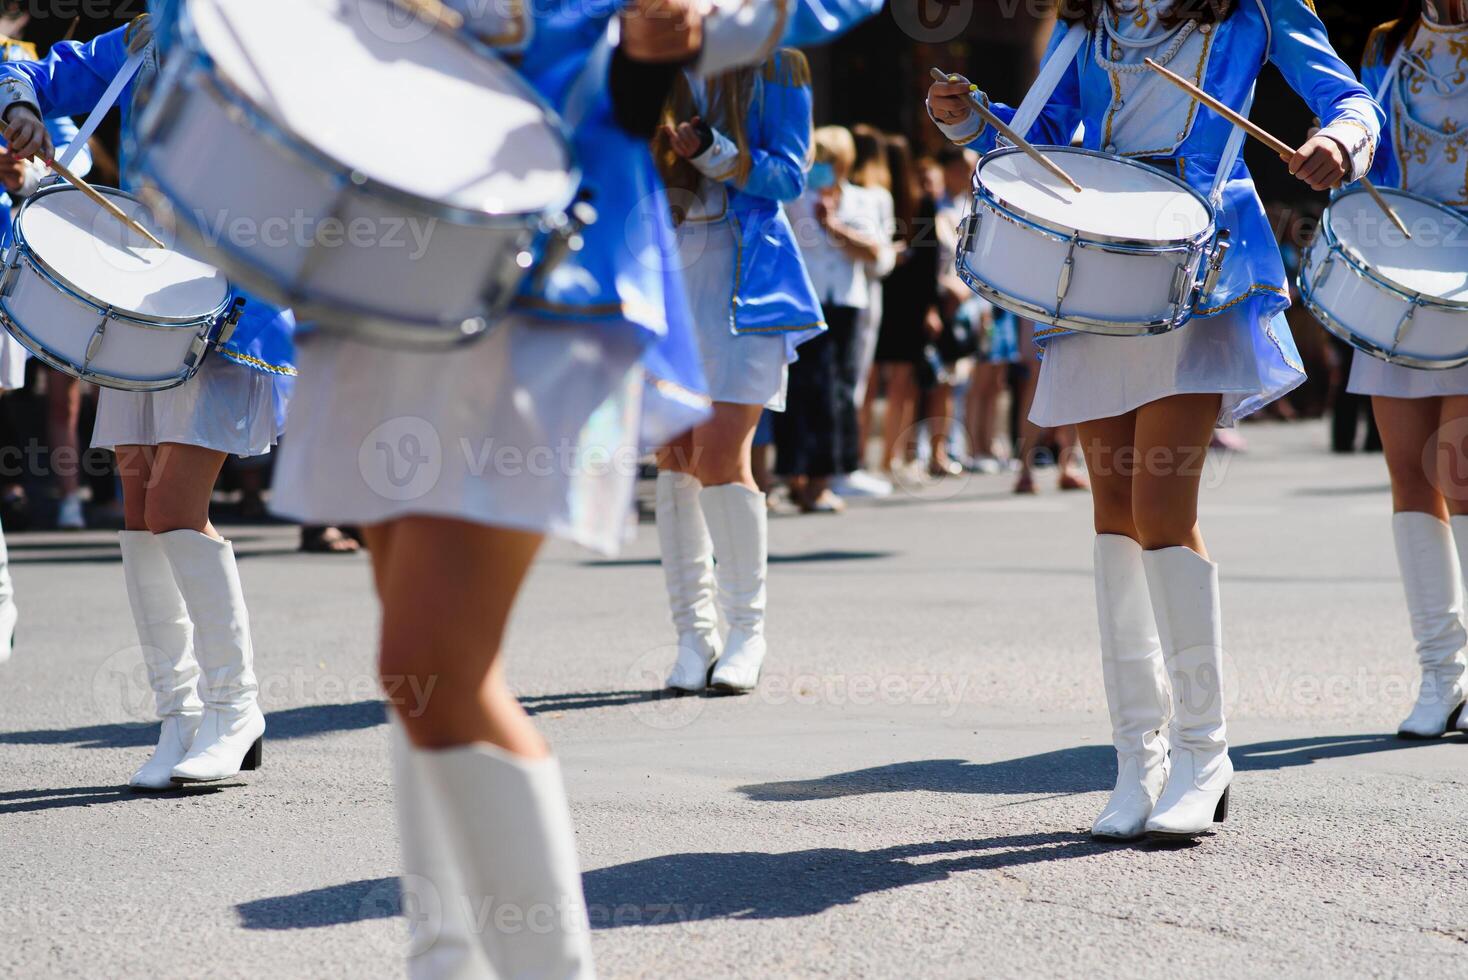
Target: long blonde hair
729,99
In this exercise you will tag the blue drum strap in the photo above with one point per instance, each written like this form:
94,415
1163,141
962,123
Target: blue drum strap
104,106
1231,152
1049,78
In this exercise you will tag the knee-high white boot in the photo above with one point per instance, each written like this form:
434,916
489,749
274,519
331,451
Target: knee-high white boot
1184,589
510,831
232,730
688,570
738,522
1432,577
167,639
442,943
8,613
1136,687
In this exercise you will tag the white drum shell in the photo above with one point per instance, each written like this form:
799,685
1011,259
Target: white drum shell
1113,288
57,328
277,217
1024,264
1368,314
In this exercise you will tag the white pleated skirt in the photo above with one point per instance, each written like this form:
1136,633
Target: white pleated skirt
226,407
741,369
12,363
1085,377
531,428
1373,376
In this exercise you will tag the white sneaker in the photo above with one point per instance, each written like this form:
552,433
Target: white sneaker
861,484
69,516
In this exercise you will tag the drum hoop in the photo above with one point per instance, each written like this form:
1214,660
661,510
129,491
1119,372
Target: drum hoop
1367,272
83,298
53,360
1131,244
1342,332
1114,248
313,307
1083,324
229,96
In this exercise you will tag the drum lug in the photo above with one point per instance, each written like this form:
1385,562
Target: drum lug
968,232
1215,263
12,270
1406,322
563,236
1067,273
230,321
95,344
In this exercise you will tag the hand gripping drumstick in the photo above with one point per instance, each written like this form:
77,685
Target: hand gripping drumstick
986,114
435,12
1268,139
101,199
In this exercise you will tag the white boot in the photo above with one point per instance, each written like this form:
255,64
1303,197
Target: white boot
1136,687
509,829
232,730
8,613
1432,578
688,570
738,522
442,944
1184,589
167,639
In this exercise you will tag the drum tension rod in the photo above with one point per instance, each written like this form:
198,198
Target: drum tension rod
1067,272
1406,323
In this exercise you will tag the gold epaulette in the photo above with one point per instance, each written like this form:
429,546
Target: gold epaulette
787,67
139,32
1376,43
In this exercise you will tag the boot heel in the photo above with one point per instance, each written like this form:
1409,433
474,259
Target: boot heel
254,757
1221,814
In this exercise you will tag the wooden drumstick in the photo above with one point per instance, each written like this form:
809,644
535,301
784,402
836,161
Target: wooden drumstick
435,12
1003,129
103,201
1267,138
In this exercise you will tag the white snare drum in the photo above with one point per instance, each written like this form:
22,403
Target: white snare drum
96,301
1403,301
381,178
1123,258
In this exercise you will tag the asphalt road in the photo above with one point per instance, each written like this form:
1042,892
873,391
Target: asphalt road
905,797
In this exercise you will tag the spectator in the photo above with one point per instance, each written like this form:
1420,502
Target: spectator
845,245
957,343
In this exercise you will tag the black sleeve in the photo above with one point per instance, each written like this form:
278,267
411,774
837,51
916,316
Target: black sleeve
639,90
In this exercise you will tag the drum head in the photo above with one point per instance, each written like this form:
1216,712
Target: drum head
96,255
1434,262
1122,201
383,94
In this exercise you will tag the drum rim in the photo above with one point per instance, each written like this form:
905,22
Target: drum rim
283,139
1071,322
1139,245
65,285
1338,247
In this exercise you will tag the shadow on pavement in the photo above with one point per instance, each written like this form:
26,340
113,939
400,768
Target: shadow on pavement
682,888
334,905
540,704
794,559
303,722
29,800
1081,769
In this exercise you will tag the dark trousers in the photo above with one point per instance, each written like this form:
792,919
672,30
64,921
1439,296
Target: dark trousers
817,433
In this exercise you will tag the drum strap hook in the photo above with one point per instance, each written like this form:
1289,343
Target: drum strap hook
95,344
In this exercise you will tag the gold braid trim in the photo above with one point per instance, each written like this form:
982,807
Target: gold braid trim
255,362
788,67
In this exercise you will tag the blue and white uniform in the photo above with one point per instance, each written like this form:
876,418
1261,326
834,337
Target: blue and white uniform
1239,344
63,130
237,401
1424,150
537,426
753,302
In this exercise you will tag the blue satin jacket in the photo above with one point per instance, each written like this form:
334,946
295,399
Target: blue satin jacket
627,275
1286,33
773,293
70,81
